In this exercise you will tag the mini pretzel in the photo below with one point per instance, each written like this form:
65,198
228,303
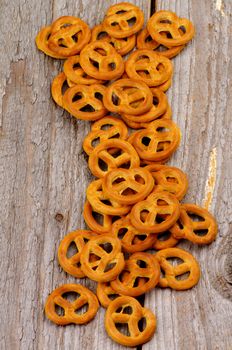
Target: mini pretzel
155,143
188,228
181,30
117,313
148,66
131,239
105,293
97,198
100,223
189,265
68,36
99,131
85,102
156,214
128,186
57,87
127,156
101,61
118,18
122,46
140,274
42,42
72,264
166,85
164,240
128,96
108,265
70,308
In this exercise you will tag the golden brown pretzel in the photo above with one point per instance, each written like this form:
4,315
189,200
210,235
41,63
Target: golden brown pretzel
164,240
85,102
122,46
101,61
70,308
108,264
201,230
117,313
71,264
180,30
100,223
126,155
42,42
140,274
118,20
57,88
171,272
106,294
128,96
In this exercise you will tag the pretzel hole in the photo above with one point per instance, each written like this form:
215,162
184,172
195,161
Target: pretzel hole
72,250
146,140
64,87
102,35
142,324
165,21
95,142
162,146
112,66
162,273
76,66
82,310
182,30
121,232
119,12
160,67
109,267
164,236
141,263
99,218
143,215
78,96
94,63
114,24
162,129
113,296
102,165
71,296
139,281
118,180
139,238
106,202
107,247
184,276
61,43
195,217
101,51
75,38
115,136
148,39
106,126
162,48
139,179
123,328
132,21
174,261
125,165
201,233
172,179
128,192
127,310
159,219
115,100
59,310
87,108
98,96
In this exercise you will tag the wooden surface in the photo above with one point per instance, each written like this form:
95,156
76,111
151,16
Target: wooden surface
43,176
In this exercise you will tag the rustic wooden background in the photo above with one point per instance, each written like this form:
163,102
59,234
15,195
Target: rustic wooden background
43,173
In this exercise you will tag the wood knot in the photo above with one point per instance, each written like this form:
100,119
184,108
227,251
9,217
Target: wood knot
59,217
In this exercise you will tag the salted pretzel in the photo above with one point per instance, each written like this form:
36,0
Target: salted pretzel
70,308
200,230
122,46
140,274
126,155
128,310
104,129
128,96
119,20
178,31
108,264
158,141
42,42
128,186
156,214
164,240
69,35
132,240
85,102
171,272
71,264
106,294
100,223
101,61
57,88
98,198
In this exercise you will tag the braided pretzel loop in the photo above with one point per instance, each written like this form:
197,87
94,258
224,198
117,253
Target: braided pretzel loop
42,42
118,313
122,46
156,214
57,87
125,156
71,264
123,20
99,223
164,240
101,61
202,231
172,273
128,96
110,260
85,102
57,298
106,294
168,29
102,202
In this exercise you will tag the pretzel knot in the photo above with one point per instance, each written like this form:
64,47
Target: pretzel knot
171,272
127,310
57,298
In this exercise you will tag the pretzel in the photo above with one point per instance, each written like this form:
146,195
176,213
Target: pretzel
42,42
100,223
186,227
164,240
155,143
70,308
57,87
71,264
122,46
131,239
85,102
178,31
148,66
116,129
128,186
101,61
69,35
108,265
128,156
159,206
117,313
97,198
189,265
128,96
105,293
166,85
145,41
119,17
140,274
